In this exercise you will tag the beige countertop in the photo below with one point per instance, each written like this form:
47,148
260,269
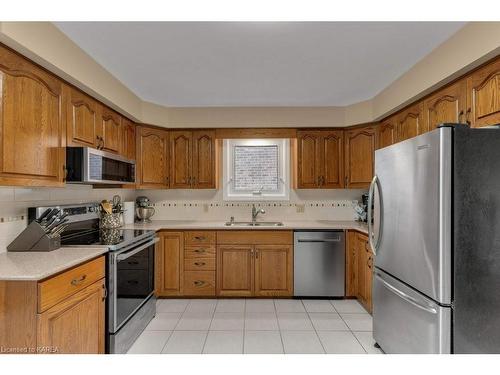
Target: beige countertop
219,225
33,266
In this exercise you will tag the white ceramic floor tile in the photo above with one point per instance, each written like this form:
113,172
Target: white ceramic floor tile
294,322
259,305
224,342
227,321
301,342
328,322
230,305
185,342
164,321
358,322
150,342
348,306
289,305
340,342
194,321
318,305
263,342
261,321
202,305
171,305
367,341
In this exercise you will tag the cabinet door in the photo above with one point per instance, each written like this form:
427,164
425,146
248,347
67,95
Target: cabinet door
82,120
369,278
362,260
446,105
483,95
235,270
111,127
308,159
351,282
128,130
332,160
273,270
360,156
387,132
170,264
203,164
32,124
410,122
152,164
75,325
180,159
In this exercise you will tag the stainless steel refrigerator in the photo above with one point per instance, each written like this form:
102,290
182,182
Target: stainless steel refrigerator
436,238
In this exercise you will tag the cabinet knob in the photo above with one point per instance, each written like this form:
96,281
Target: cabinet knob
199,263
198,282
200,238
199,251
78,281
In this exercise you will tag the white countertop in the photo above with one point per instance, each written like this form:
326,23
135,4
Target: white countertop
219,225
33,266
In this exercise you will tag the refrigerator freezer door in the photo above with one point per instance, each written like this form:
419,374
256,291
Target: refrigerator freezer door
405,321
412,212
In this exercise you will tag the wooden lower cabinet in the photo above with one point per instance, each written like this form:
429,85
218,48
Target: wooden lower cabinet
62,314
273,270
169,262
235,270
359,269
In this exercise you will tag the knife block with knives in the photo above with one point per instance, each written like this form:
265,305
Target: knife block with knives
42,234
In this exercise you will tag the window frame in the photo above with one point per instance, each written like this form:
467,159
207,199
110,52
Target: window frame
284,182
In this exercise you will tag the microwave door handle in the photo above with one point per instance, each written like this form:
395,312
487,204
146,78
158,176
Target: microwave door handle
130,253
371,193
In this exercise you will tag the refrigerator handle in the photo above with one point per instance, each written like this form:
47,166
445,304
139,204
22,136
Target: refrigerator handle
371,235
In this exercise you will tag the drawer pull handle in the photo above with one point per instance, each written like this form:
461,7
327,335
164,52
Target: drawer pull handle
200,238
199,283
76,282
199,263
133,262
199,251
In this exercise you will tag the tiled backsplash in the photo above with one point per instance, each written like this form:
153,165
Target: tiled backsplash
177,205
14,203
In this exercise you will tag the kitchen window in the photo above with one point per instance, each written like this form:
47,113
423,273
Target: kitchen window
256,169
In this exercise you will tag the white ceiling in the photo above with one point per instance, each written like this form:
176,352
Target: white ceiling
257,63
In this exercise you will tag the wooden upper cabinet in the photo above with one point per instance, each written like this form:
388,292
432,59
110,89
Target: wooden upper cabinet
82,119
111,130
235,270
319,159
308,159
446,106
32,123
128,147
332,157
204,161
152,158
410,122
180,159
360,145
483,95
387,132
273,270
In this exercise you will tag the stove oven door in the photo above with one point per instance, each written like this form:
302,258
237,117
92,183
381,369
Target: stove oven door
131,281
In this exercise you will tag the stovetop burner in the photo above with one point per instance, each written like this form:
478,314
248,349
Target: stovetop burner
113,238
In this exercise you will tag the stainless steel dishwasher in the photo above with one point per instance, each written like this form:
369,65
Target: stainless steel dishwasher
319,263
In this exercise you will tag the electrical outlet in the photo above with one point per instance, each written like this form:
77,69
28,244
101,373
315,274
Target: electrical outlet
300,208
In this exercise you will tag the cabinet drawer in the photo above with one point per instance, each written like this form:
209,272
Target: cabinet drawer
199,264
255,237
199,252
199,237
62,286
199,283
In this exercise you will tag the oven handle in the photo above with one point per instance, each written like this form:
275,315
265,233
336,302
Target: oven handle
128,254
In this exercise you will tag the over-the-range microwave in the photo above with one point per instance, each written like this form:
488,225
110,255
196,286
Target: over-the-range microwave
85,165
